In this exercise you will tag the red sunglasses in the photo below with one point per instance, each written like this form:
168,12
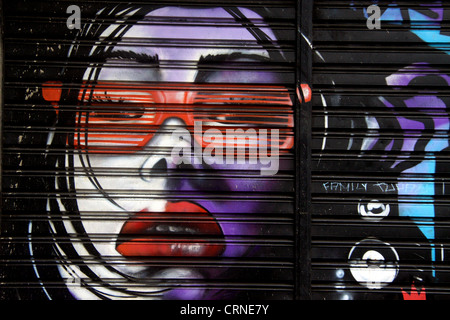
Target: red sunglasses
123,117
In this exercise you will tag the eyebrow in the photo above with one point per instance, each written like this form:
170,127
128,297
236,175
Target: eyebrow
214,58
206,62
132,56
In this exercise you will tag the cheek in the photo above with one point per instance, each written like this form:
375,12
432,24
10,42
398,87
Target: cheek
102,227
118,177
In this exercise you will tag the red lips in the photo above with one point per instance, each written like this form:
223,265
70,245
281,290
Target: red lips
183,230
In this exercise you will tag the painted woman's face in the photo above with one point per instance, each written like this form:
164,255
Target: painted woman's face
159,172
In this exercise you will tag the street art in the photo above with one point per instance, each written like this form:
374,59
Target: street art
172,146
405,143
150,152
424,20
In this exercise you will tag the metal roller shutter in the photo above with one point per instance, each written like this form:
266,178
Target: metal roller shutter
116,180
380,150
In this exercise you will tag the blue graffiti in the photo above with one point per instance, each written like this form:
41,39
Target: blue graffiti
422,209
425,22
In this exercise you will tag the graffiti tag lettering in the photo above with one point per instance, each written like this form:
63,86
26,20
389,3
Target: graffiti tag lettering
344,187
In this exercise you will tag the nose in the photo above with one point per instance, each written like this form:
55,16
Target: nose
171,136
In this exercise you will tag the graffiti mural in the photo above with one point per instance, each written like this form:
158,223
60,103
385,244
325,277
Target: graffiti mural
393,129
155,151
169,130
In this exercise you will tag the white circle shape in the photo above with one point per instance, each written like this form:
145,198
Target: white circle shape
374,210
372,269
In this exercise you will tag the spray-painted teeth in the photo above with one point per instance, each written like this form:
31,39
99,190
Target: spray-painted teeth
171,229
187,248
